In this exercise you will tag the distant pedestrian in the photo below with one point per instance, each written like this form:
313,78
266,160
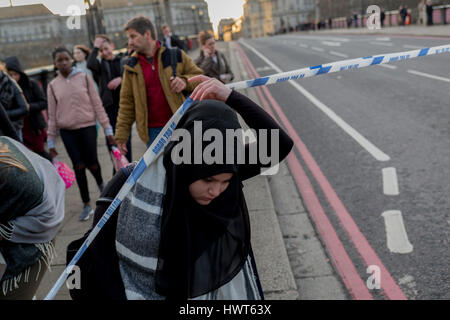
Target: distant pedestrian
73,107
211,61
382,17
429,9
355,20
108,69
12,100
171,40
80,55
34,129
403,14
31,211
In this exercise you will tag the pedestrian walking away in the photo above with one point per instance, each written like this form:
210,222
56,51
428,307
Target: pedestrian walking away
31,210
154,82
73,107
171,40
12,100
183,232
108,70
34,129
211,61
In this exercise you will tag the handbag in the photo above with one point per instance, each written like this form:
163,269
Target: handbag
64,172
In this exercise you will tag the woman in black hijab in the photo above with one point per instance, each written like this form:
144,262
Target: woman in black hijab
205,228
186,235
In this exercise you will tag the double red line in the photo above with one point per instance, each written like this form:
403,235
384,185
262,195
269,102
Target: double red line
338,255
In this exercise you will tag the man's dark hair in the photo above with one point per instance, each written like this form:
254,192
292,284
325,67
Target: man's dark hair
59,50
141,24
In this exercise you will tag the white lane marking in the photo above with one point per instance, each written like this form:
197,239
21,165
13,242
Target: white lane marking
342,55
331,43
397,239
390,182
383,39
386,44
366,144
317,49
427,75
321,38
411,47
303,45
388,66
265,68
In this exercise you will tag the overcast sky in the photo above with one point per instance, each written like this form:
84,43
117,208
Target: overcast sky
218,9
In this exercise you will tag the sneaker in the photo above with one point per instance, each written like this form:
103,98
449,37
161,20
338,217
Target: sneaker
85,214
101,187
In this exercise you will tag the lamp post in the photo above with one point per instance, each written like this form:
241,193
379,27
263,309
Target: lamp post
194,8
94,18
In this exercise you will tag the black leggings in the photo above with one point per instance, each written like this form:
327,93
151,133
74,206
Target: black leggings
81,145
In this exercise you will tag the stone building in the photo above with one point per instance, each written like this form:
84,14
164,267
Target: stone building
30,32
266,17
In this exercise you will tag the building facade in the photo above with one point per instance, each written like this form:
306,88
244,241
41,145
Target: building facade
267,17
31,32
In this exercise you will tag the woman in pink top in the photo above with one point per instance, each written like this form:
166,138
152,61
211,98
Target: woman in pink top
73,107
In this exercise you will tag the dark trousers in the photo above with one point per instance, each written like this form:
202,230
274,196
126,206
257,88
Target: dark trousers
81,145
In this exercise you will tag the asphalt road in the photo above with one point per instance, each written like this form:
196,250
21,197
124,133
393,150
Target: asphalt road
404,111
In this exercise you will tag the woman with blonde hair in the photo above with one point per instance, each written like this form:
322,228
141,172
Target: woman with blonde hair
211,61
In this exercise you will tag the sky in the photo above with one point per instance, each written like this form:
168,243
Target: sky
218,9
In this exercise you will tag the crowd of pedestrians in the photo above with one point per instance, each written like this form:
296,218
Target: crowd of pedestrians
204,204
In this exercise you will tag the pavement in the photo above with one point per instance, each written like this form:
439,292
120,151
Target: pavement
411,30
292,262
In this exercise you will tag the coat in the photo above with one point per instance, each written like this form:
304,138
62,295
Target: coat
213,69
133,94
33,95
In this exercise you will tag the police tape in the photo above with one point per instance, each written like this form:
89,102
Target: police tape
338,66
163,138
153,152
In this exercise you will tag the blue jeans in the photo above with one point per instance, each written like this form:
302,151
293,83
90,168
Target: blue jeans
152,134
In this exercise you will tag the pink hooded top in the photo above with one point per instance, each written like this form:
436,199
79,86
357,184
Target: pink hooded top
73,103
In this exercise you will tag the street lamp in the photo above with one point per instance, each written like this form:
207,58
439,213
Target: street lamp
193,8
94,18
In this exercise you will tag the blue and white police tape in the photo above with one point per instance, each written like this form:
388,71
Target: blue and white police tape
149,156
163,138
339,66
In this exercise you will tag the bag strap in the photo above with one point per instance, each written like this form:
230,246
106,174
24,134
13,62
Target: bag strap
173,60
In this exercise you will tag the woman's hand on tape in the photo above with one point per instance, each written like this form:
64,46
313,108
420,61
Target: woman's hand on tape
209,88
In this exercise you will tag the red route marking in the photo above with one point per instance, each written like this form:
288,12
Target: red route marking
335,247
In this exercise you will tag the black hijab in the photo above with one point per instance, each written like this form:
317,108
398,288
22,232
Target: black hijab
201,247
